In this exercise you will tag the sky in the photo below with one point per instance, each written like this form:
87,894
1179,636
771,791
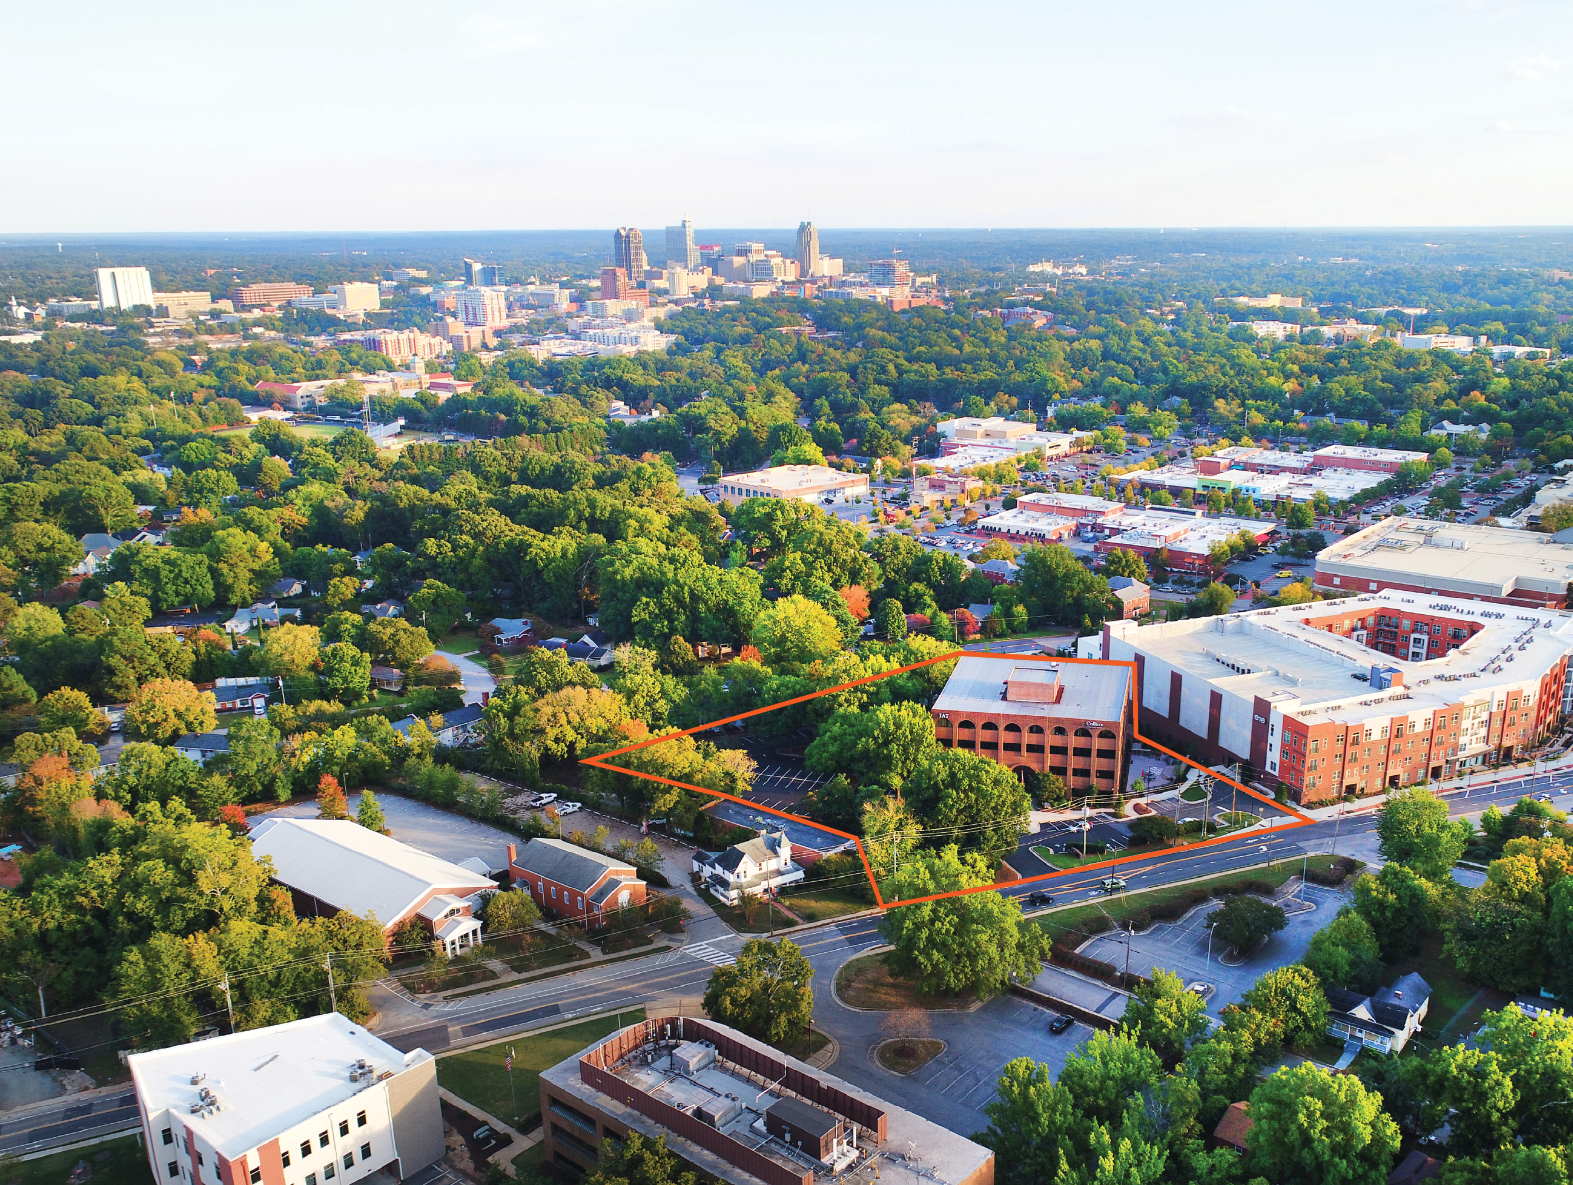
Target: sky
396,116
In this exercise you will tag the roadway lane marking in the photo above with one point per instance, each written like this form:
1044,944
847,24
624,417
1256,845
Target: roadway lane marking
709,954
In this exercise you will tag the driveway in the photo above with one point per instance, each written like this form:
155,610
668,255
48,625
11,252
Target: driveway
477,679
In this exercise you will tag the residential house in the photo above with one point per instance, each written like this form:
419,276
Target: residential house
202,747
1134,596
290,586
98,548
386,678
336,865
998,571
362,556
575,882
759,865
383,609
461,726
602,639
262,613
1414,1168
242,693
595,657
512,632
1383,1022
1233,1128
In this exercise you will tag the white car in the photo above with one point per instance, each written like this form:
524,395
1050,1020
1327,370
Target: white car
568,808
544,799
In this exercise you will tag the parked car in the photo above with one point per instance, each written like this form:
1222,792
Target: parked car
568,808
544,799
1060,1023
1112,884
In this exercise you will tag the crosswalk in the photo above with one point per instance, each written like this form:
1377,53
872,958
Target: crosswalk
709,954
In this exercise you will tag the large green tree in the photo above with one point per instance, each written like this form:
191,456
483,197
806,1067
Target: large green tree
1414,829
1164,1016
767,993
882,746
1310,1127
1291,998
969,801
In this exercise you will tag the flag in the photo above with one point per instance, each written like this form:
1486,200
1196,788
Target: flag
509,1061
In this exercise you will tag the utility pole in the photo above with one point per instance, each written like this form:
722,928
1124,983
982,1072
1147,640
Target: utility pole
511,1091
333,998
229,1005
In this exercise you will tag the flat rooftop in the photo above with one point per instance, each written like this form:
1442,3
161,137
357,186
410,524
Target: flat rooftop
1025,522
941,1157
1283,656
265,1080
1182,530
1337,484
1353,452
797,478
1098,691
1478,561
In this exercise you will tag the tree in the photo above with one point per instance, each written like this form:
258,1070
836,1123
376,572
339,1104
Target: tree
906,1026
1244,920
795,633
1414,829
1055,586
1475,1089
164,710
396,642
1292,999
1121,561
1310,1127
69,708
1032,1121
638,1160
1107,1072
368,813
343,591
970,800
1559,939
1211,600
1397,905
1539,1053
1164,1016
346,672
32,625
39,555
1345,953
255,762
437,607
511,912
975,942
1497,941
890,622
14,690
331,803
881,746
291,651
767,993
124,608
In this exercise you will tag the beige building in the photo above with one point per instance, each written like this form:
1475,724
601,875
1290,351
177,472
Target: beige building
992,428
805,483
357,298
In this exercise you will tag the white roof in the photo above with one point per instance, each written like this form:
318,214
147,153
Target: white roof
347,865
267,1080
1097,691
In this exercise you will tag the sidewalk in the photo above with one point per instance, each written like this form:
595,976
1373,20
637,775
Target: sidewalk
1480,781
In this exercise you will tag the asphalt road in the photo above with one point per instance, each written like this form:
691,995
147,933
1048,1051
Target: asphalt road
67,1119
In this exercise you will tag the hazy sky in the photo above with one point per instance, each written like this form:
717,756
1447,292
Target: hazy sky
398,116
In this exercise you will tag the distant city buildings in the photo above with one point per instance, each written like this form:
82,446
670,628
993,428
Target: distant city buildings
681,251
804,483
1273,300
807,249
628,254
187,304
890,273
481,275
124,288
253,295
482,306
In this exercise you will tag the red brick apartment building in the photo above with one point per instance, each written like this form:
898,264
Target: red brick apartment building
1070,719
1307,695
574,882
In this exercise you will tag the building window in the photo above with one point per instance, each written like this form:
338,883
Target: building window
284,1157
349,1160
344,1127
256,1174
305,1149
174,1168
365,1151
311,1179
360,1120
328,1172
169,1136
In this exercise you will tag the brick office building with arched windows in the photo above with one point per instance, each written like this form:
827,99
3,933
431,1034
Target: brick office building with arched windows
1069,719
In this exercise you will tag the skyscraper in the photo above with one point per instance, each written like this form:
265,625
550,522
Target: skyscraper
124,287
628,252
482,275
807,249
680,249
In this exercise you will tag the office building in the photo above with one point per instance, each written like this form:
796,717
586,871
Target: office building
1353,696
1457,343
1505,567
482,275
680,249
1371,460
482,306
183,304
1071,719
698,1084
890,273
124,288
1187,537
69,307
357,298
807,249
253,295
399,346
400,275
628,253
332,866
615,284
806,483
305,1103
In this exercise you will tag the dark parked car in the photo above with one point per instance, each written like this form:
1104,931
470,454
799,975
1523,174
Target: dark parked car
1059,1024
1039,897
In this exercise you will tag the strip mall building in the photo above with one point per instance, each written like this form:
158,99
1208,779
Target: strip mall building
1355,696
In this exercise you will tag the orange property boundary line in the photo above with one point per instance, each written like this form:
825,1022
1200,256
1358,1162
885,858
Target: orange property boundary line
601,762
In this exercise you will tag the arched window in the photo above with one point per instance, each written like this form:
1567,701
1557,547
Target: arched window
1082,732
966,735
991,736
1059,731
1012,739
1013,728
1037,728
990,726
1105,735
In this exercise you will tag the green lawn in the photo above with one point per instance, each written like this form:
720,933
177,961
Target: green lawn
480,1076
460,641
816,906
1193,793
123,1163
309,431
1059,860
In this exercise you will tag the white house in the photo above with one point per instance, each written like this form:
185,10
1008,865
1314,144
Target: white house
1383,1022
756,866
259,614
461,726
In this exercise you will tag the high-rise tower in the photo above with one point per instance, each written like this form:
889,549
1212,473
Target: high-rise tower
628,252
680,249
807,249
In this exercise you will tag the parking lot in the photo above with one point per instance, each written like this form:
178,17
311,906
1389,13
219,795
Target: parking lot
1186,948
